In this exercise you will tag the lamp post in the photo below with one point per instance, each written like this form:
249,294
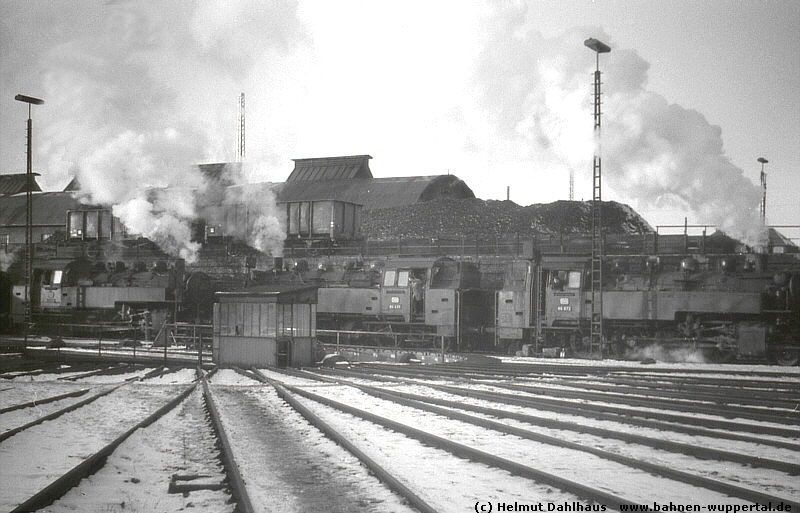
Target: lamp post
596,317
28,213
763,191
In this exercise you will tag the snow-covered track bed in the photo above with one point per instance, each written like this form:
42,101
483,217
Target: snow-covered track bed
19,417
283,462
785,414
696,462
786,456
633,473
45,460
43,400
33,372
762,396
771,421
431,472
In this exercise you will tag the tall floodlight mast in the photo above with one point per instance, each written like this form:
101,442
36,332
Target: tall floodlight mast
763,191
240,145
596,328
571,184
28,212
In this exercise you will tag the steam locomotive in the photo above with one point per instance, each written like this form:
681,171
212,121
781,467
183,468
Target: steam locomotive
724,307
721,307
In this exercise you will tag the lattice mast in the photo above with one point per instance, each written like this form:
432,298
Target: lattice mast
763,206
596,328
240,142
571,184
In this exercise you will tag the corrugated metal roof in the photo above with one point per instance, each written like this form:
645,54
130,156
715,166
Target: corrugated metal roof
776,238
49,208
15,184
377,192
331,168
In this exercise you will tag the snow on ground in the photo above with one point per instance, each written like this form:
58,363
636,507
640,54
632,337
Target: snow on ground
174,377
765,451
288,378
232,378
16,418
598,402
633,484
724,368
23,392
447,482
288,465
45,376
62,443
115,378
771,481
136,476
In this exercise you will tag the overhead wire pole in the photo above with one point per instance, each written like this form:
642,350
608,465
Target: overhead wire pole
28,212
596,322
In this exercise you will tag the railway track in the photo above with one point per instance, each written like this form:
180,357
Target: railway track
658,442
285,460
451,458
641,417
86,446
668,466
555,369
265,442
782,410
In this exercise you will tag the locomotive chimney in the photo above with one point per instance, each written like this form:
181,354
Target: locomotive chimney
277,264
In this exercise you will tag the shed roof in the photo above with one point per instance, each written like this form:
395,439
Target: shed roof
377,192
776,238
16,183
330,168
273,293
49,209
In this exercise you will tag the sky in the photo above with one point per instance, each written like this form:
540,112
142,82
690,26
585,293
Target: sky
496,93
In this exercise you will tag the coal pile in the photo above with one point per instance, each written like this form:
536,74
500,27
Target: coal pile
454,218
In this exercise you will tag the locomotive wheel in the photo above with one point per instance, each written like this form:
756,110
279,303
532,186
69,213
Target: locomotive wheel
787,357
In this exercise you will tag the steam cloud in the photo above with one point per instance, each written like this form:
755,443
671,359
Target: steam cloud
148,91
247,213
537,90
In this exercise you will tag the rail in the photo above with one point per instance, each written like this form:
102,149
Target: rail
426,342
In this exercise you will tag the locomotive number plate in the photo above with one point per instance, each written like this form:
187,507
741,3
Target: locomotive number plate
564,308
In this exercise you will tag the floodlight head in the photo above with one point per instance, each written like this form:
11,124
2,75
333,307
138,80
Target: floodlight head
28,99
597,46
762,160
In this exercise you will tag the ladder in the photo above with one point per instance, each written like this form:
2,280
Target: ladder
596,315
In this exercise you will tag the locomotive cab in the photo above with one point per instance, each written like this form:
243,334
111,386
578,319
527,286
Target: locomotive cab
403,293
563,296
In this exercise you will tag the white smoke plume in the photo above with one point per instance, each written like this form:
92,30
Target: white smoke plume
538,93
667,354
147,90
6,259
248,213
